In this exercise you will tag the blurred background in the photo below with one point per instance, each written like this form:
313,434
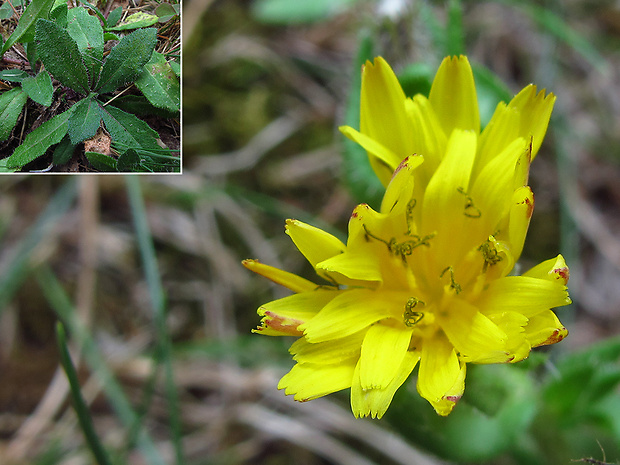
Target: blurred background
145,272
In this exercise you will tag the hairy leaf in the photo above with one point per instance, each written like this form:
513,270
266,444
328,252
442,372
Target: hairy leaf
63,151
60,55
127,59
84,121
13,75
24,32
11,104
101,162
135,21
159,84
87,32
114,16
38,141
127,129
39,88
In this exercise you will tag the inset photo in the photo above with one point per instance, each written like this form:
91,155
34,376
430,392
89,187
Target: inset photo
90,87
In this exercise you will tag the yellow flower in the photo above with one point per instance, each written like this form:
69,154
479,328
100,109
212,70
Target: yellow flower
425,279
393,126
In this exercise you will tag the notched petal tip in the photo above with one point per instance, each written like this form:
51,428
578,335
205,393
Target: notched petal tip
286,326
555,337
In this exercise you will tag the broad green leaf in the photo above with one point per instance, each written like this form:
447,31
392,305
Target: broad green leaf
139,105
114,16
101,162
84,121
59,14
159,84
11,104
128,161
39,88
127,129
166,11
63,151
135,21
126,61
25,30
87,32
13,75
4,169
175,67
38,141
110,36
60,55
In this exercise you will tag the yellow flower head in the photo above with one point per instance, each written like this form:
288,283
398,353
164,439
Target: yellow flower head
425,279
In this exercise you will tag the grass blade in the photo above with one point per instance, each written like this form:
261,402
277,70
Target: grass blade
151,271
81,409
59,302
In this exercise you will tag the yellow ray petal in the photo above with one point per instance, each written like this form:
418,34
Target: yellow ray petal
439,368
502,130
453,95
534,113
327,352
521,211
284,278
445,405
314,243
445,205
354,266
383,351
492,189
350,312
308,381
374,402
473,335
554,269
400,188
383,116
544,329
513,323
282,317
383,160
523,294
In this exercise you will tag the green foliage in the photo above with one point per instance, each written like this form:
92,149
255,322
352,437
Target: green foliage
25,30
70,46
101,162
159,83
87,33
61,56
84,121
38,141
126,61
135,21
63,151
11,104
39,88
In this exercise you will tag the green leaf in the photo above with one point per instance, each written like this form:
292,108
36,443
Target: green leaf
13,75
288,12
38,141
84,121
39,88
175,67
59,14
128,129
60,55
139,105
6,11
128,161
110,36
416,78
87,32
159,84
126,61
63,151
4,169
24,32
166,11
135,21
114,16
100,161
11,104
